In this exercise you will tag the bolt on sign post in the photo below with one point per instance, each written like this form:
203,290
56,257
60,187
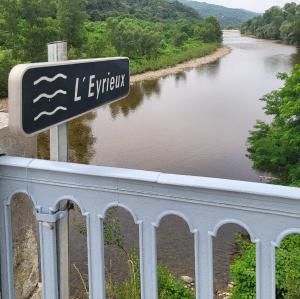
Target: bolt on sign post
45,96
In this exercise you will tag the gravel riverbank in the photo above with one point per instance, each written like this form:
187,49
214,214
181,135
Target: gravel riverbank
153,75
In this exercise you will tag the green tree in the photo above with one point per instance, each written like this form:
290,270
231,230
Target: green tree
27,26
275,147
7,61
209,31
276,23
71,15
134,38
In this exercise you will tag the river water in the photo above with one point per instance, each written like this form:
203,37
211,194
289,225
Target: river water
193,123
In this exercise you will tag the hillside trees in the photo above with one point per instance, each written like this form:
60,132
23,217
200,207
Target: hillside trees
71,17
151,10
27,25
134,38
276,23
209,31
152,33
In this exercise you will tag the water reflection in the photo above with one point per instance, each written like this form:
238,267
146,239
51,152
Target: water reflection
81,141
138,92
180,77
278,61
210,69
295,58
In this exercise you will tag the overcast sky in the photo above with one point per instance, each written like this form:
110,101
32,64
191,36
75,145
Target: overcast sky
254,5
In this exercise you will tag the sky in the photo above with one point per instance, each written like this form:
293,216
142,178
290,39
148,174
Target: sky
254,5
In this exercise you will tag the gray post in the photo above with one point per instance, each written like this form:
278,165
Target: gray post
58,51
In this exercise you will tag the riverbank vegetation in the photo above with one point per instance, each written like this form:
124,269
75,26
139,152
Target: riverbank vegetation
153,34
287,269
277,24
274,148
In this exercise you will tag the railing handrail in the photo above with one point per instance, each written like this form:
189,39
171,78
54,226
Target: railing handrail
154,177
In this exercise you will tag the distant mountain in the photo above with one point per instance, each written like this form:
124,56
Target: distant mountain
228,17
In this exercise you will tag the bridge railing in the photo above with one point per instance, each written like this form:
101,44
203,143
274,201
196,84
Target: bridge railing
267,212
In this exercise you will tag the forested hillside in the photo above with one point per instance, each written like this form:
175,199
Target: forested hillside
152,33
276,23
157,10
228,17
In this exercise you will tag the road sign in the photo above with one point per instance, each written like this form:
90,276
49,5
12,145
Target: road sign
42,95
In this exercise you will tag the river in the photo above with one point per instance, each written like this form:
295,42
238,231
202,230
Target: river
193,123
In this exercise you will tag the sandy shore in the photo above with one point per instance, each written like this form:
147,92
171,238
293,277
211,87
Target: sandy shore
221,52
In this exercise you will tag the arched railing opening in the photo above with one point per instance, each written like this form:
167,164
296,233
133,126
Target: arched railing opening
79,282
175,259
234,260
25,240
122,261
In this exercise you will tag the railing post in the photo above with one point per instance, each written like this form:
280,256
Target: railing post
7,290
148,260
203,264
48,260
95,236
48,252
265,270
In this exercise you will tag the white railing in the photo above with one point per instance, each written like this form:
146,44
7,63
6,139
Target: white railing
267,212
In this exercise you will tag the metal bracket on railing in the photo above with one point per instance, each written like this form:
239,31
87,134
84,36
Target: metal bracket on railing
52,217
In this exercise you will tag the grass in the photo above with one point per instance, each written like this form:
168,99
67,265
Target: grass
171,57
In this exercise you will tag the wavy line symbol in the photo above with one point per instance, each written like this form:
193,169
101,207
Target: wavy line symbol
45,78
49,96
50,113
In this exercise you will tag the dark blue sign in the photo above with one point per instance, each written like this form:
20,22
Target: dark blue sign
52,93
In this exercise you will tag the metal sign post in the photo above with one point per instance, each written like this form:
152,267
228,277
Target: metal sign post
58,51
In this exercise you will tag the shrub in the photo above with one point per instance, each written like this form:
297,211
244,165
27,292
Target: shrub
169,287
6,63
287,269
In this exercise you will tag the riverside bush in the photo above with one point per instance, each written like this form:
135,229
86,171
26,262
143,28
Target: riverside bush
287,269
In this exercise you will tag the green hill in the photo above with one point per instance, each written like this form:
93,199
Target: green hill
152,10
228,17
